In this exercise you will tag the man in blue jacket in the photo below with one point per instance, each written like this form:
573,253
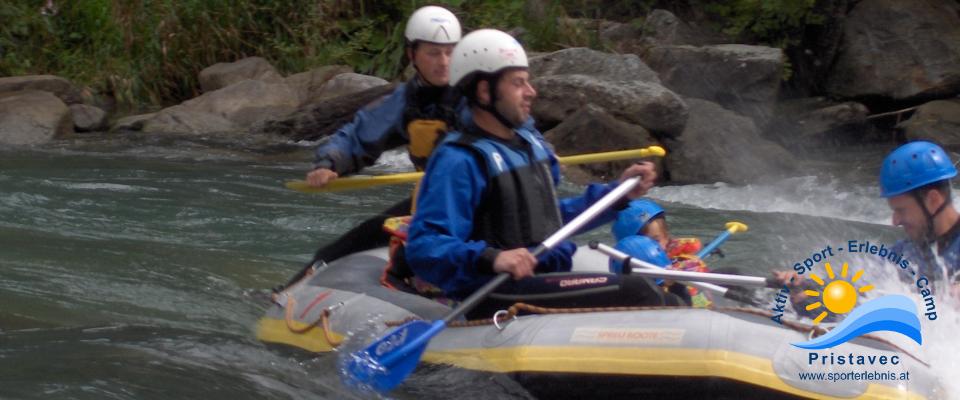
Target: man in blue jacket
416,114
489,190
915,180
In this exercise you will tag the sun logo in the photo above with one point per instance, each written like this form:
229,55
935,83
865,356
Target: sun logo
839,296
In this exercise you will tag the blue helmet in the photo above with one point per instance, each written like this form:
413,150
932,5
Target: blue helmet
913,165
632,219
641,248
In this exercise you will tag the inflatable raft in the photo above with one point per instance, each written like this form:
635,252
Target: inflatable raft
654,352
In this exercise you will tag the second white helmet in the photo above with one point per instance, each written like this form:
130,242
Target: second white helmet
485,51
433,24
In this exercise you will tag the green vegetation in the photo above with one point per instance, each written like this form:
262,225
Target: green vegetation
147,53
777,23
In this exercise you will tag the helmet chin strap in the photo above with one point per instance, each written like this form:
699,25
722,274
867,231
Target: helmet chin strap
492,107
930,236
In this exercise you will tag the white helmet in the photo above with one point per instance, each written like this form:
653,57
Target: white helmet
487,51
433,24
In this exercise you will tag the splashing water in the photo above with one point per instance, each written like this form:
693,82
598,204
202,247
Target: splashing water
806,195
940,346
351,356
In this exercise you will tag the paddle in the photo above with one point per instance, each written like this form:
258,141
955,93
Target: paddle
361,182
731,228
387,361
694,278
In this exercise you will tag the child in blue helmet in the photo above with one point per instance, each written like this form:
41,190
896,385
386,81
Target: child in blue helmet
641,232
644,217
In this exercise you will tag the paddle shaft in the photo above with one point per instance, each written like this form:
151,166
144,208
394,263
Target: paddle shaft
700,280
568,230
713,245
731,228
360,182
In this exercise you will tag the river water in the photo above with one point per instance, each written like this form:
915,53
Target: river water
136,268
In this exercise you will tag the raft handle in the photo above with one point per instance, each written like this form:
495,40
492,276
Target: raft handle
499,314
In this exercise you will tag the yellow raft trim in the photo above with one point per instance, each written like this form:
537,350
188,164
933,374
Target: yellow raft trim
592,360
271,330
640,361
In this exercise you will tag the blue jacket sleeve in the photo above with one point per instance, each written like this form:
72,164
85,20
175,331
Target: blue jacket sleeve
374,129
438,247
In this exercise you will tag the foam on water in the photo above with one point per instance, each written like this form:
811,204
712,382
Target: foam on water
110,187
807,195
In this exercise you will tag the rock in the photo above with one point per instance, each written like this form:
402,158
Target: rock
812,122
937,121
316,120
308,84
348,83
718,145
592,130
60,87
183,119
88,118
617,32
131,123
899,49
221,75
248,102
584,61
643,103
742,78
33,117
660,27
812,58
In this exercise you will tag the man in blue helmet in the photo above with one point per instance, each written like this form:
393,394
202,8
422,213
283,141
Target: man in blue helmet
915,180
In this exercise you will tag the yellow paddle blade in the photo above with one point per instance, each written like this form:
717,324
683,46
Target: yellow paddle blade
362,182
734,227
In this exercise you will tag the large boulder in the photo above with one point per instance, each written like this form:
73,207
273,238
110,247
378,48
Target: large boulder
937,121
221,75
308,84
899,49
347,83
313,121
131,122
742,78
182,119
248,102
584,61
60,87
816,122
88,118
593,130
647,104
33,117
719,145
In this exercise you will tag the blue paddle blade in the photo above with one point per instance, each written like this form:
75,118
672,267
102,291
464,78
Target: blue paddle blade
386,362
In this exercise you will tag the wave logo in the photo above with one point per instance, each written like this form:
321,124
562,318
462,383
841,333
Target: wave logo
894,313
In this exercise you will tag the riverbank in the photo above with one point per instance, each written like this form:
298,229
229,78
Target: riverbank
726,111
